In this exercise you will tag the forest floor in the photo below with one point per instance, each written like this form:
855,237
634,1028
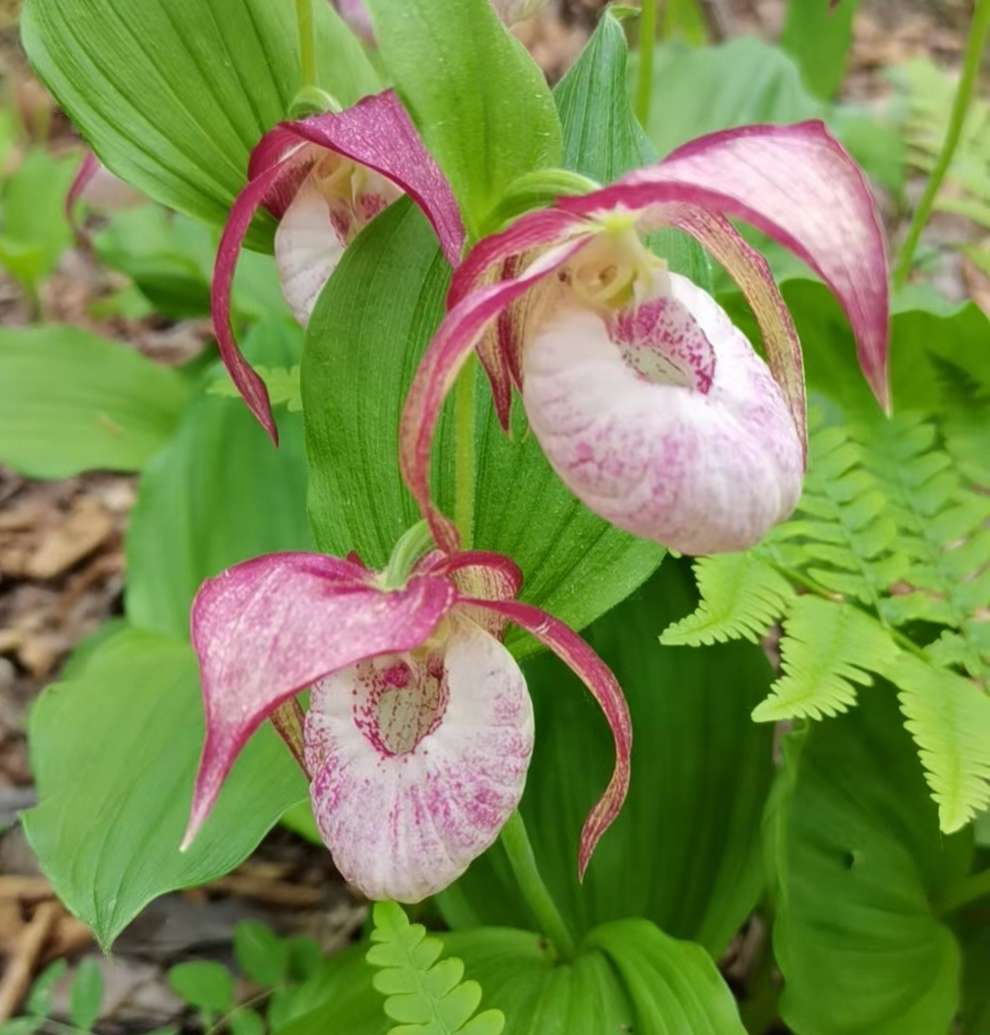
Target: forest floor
62,566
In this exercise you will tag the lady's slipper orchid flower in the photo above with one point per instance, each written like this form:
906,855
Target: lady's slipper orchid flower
325,178
650,405
420,727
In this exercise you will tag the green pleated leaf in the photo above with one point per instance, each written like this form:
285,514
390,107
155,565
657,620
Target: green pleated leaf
819,36
114,752
697,91
674,986
72,402
860,865
173,94
604,140
219,494
685,852
629,977
480,101
365,338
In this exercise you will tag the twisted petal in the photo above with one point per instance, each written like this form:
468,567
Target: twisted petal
376,133
422,762
449,350
597,677
267,629
798,185
687,442
95,184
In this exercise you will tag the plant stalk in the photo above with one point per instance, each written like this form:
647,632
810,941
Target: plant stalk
978,30
307,43
465,461
970,889
647,44
515,840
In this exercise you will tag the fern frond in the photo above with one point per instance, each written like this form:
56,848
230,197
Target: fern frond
827,649
741,597
428,997
844,536
949,718
943,534
283,386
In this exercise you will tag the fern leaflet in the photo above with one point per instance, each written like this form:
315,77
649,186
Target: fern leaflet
741,596
827,649
427,997
949,718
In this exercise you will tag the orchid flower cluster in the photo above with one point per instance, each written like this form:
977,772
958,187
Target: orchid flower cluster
652,407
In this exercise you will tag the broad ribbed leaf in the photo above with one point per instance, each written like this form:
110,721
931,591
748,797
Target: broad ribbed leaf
366,336
173,94
819,36
217,495
72,402
699,768
859,866
114,753
478,98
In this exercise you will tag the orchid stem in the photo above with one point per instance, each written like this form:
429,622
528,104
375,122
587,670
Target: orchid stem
647,43
960,107
464,460
515,841
307,43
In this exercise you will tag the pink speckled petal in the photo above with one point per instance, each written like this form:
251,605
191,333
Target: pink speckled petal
750,271
423,759
283,177
267,629
454,341
487,576
376,133
307,250
578,655
699,470
800,186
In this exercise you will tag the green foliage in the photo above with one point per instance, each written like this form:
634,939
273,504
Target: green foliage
819,37
827,649
859,867
72,402
204,984
426,996
282,384
262,955
891,546
469,101
699,768
33,229
86,996
135,707
180,126
741,597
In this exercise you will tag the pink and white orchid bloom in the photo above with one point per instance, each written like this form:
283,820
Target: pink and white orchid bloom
651,406
325,178
420,727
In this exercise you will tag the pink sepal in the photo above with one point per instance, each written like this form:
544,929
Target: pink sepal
269,628
578,655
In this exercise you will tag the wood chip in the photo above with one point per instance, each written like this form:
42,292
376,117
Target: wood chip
23,960
86,527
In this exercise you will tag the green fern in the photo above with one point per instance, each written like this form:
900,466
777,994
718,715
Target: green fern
426,996
949,719
282,383
741,596
892,544
828,649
